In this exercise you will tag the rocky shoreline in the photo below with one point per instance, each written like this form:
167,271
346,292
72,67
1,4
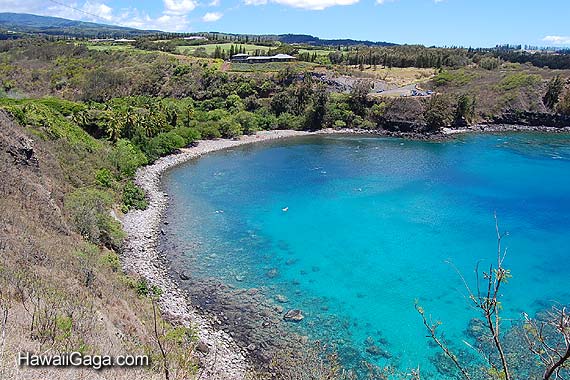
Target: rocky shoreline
221,357
498,128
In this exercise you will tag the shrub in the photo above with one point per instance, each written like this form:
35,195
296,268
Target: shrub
518,80
464,110
458,77
553,90
490,63
56,126
112,260
88,210
65,107
266,120
289,121
133,197
188,134
230,128
248,122
210,130
234,103
163,144
104,178
126,158
438,113
563,106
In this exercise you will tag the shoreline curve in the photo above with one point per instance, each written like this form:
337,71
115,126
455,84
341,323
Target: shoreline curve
224,359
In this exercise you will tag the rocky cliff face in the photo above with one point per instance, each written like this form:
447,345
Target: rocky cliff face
534,119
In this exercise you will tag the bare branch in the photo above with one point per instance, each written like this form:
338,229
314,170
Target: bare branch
431,329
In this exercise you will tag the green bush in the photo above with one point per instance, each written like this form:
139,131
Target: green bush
210,130
163,144
133,197
438,112
563,106
112,260
88,210
65,107
126,158
490,63
230,128
104,178
457,77
289,121
188,134
518,80
248,122
266,120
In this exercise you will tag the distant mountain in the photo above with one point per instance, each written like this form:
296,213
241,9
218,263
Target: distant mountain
13,25
28,23
316,41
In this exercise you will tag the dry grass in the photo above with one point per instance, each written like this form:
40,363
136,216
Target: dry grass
395,76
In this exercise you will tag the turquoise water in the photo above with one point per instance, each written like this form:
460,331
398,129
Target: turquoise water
373,224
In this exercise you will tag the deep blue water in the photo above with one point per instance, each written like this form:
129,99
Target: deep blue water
374,223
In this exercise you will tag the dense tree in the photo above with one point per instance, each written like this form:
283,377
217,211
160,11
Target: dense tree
464,110
438,112
359,97
564,105
315,114
553,91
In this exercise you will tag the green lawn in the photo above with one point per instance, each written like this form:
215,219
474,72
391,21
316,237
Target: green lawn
320,52
210,48
109,47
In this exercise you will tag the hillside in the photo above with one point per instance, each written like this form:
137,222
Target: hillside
61,288
316,41
29,23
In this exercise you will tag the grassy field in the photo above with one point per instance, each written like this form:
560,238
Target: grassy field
320,52
109,47
210,48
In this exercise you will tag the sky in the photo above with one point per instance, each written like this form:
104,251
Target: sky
476,23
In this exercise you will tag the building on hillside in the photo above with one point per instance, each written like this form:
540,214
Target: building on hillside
246,58
239,57
195,38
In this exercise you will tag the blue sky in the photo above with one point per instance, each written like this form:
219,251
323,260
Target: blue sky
429,22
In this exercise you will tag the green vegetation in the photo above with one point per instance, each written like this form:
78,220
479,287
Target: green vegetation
223,48
553,91
564,105
88,211
458,78
518,80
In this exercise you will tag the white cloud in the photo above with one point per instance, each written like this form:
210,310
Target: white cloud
214,3
173,18
212,16
101,10
255,2
315,5
178,6
557,40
